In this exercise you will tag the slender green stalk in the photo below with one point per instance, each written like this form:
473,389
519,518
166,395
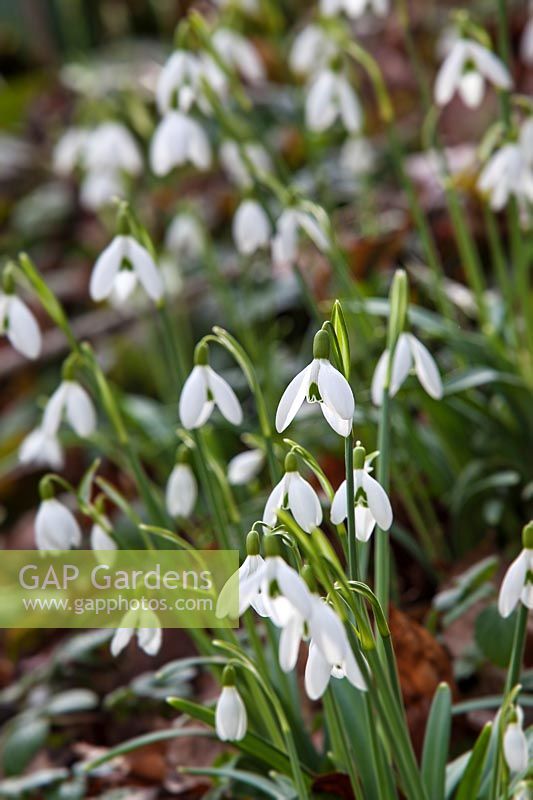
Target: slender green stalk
517,652
353,571
382,551
341,742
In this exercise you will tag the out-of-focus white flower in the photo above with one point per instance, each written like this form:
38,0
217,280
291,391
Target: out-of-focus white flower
296,495
204,389
231,720
244,467
247,6
237,53
517,585
56,527
19,325
110,147
143,624
370,499
526,42
251,227
235,165
408,351
312,51
98,189
179,82
179,140
69,150
125,254
185,237
181,491
319,383
465,69
100,538
353,8
357,156
72,400
330,97
515,748
285,240
501,176
42,448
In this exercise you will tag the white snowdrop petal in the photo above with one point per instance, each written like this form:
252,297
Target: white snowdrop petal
335,390
490,65
364,523
292,398
170,143
54,409
515,748
378,501
378,379
181,491
274,502
230,715
313,229
251,227
450,73
244,467
224,397
23,331
40,448
303,502
294,588
317,673
352,671
289,643
193,399
339,425
426,368
101,540
350,107
401,363
320,107
106,268
339,509
120,640
149,640
56,527
513,584
328,632
80,410
145,269
471,88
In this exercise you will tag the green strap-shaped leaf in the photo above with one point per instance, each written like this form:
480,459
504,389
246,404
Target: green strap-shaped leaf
265,785
471,780
436,743
341,331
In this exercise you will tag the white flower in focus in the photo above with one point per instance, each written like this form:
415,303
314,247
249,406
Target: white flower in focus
319,383
330,97
203,390
353,8
370,499
185,236
109,148
122,255
179,82
517,585
143,624
56,527
181,491
237,53
285,241
409,351
19,325
312,51
296,495
244,467
515,747
72,400
234,162
42,448
251,227
69,150
465,69
179,140
231,720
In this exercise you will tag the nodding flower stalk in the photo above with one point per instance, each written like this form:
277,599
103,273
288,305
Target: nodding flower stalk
398,298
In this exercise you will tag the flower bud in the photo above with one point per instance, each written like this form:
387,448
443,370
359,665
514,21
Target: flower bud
321,345
271,545
359,455
291,462
252,544
228,676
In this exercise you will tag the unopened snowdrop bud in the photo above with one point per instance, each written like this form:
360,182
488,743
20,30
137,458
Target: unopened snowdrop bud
296,495
409,351
56,527
465,69
71,400
319,383
179,140
251,227
517,584
246,466
203,390
143,624
17,322
515,747
182,488
231,720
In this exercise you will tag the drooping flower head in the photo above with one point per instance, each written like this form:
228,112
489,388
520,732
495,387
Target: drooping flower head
182,487
56,527
17,322
517,585
296,495
251,228
291,221
515,746
465,70
231,720
178,140
142,623
319,383
204,389
244,467
330,98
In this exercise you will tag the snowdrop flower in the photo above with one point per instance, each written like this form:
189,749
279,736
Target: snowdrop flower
237,53
353,8
179,140
331,97
231,720
312,51
185,236
319,383
232,600
465,69
357,157
237,167
244,467
408,350
517,584
246,6
182,489
371,502
203,390
143,624
70,399
98,189
17,323
502,175
42,448
251,227
526,42
296,495
100,538
125,254
285,241
179,82
69,150
109,148
56,527
515,747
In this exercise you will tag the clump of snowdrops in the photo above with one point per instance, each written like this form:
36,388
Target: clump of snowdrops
305,582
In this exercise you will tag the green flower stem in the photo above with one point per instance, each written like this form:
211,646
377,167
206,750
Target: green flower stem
211,490
517,652
382,549
353,571
340,741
